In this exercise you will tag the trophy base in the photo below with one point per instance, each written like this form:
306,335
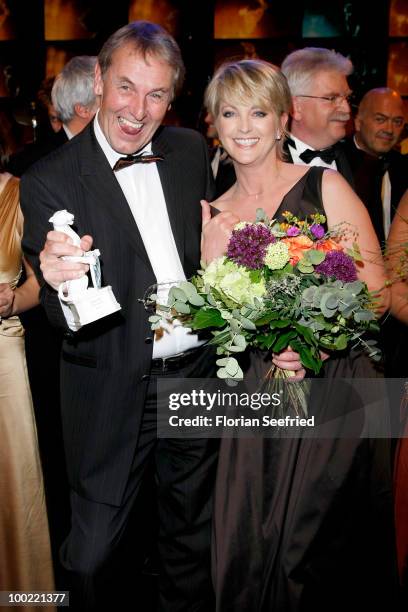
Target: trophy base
92,305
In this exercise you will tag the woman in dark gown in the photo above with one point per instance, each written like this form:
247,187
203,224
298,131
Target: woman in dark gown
397,263
299,524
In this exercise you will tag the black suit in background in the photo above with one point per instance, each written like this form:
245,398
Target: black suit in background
368,172
342,163
107,390
21,161
226,174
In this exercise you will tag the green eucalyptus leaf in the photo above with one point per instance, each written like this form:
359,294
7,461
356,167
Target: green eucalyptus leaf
196,300
154,319
211,300
315,257
331,300
247,323
355,287
363,315
178,294
240,340
181,307
236,349
308,295
188,288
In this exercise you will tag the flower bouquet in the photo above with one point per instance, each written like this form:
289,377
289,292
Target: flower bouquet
279,284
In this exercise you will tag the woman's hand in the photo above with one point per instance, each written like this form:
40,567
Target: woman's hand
290,360
216,232
6,300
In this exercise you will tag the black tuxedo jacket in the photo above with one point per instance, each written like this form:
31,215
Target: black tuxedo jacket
368,172
103,367
20,162
226,173
342,163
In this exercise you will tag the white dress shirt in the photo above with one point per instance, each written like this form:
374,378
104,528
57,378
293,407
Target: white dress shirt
67,131
143,191
302,146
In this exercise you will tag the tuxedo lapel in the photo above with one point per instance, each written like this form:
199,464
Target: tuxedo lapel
343,165
287,152
100,182
171,179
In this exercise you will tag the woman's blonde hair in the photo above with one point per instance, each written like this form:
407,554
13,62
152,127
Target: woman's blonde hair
251,82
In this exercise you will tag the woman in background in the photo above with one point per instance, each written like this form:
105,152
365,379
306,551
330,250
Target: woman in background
397,263
25,556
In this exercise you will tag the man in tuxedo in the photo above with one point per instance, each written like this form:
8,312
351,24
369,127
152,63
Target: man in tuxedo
75,103
380,172
317,80
380,176
142,211
73,94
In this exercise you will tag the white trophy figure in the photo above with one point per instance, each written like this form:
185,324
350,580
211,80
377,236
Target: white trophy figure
86,304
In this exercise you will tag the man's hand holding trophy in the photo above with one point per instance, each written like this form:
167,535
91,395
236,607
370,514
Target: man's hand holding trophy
87,304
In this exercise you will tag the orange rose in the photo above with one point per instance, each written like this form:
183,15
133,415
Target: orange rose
327,245
297,246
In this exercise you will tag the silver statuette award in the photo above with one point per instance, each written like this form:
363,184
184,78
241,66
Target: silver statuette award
87,304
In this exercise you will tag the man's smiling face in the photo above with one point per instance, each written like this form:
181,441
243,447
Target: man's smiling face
135,92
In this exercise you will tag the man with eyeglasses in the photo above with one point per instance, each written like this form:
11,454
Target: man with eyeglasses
317,79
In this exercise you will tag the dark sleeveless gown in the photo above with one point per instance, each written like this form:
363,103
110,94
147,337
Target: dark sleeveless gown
305,524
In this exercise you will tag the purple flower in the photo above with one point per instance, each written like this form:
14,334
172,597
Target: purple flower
293,231
317,230
247,246
338,264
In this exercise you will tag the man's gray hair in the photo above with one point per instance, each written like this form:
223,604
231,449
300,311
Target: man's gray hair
301,66
146,38
74,85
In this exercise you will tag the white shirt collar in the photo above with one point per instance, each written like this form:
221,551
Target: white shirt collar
112,155
300,145
67,131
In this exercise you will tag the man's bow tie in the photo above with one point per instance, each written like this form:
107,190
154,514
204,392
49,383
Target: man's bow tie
129,160
327,155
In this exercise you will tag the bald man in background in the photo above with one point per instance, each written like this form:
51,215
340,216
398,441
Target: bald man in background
380,175
380,172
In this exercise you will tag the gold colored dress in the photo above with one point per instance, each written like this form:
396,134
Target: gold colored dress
25,555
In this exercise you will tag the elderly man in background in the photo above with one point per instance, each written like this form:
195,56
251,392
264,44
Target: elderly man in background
74,102
317,80
73,94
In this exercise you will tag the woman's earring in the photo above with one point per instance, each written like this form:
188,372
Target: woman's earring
278,135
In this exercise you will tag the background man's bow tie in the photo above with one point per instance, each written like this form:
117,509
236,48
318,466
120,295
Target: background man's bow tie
327,155
129,160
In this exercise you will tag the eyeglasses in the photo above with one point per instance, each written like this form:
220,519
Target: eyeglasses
335,99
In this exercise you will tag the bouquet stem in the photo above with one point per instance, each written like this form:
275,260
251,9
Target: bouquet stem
294,394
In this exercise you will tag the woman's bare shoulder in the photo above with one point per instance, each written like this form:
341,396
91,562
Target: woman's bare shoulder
225,201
